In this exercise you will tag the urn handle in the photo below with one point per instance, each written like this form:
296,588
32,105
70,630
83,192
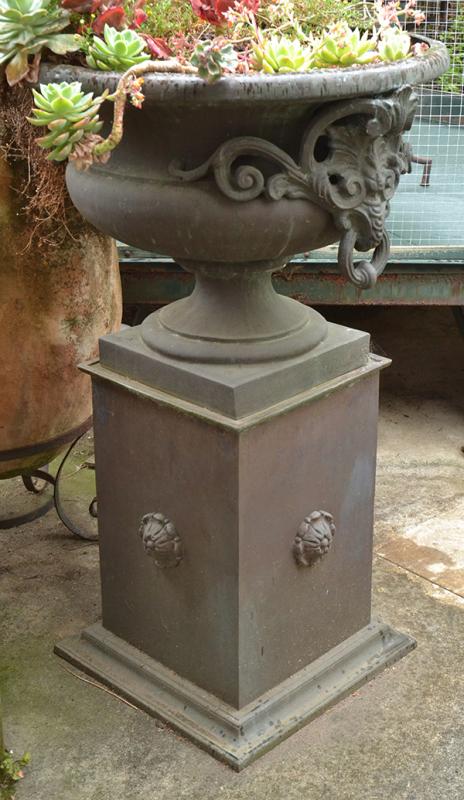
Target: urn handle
351,158
362,274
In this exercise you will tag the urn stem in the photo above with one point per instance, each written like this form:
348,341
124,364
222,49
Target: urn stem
234,315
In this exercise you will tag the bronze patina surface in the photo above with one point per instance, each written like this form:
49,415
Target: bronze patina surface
223,632
235,429
234,178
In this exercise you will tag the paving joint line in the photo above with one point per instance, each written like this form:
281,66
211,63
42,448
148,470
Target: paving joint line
418,575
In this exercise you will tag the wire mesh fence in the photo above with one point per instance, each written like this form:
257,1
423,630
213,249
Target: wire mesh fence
428,210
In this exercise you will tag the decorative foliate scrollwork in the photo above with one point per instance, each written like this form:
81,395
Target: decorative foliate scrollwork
351,158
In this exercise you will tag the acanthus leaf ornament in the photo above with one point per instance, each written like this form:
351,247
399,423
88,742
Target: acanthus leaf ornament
354,179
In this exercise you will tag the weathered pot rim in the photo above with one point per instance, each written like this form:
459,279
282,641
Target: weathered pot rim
327,84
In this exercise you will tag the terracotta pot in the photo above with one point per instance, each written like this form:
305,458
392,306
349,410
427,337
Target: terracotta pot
53,308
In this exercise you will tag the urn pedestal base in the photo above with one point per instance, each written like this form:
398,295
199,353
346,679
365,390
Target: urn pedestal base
236,548
237,737
236,390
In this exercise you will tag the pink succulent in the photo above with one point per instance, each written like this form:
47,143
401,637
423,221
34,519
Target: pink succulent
390,11
387,13
135,92
420,48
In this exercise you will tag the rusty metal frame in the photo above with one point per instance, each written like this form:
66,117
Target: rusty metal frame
154,281
31,483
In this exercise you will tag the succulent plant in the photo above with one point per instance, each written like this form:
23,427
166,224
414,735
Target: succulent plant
281,54
118,51
214,11
343,47
68,113
212,59
394,45
26,27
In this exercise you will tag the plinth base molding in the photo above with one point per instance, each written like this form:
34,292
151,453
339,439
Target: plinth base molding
236,736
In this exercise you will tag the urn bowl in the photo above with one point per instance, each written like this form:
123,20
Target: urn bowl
232,179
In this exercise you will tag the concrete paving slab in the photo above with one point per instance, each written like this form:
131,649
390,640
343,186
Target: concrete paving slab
401,737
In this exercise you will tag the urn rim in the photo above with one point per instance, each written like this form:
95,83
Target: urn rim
319,84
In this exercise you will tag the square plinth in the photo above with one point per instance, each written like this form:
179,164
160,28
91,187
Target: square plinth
237,615
236,553
235,390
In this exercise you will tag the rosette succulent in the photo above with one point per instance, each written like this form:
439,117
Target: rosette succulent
26,27
343,47
117,51
394,45
212,59
281,54
68,113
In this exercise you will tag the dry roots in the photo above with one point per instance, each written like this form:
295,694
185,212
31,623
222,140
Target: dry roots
42,196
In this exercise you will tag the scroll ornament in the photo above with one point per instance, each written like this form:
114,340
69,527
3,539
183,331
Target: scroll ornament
351,158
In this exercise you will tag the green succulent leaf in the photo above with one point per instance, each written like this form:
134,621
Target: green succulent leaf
17,68
343,47
117,51
394,45
68,113
66,43
60,153
280,54
27,27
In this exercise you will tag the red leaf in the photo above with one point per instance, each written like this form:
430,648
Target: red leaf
213,10
222,6
81,6
205,9
139,18
114,17
157,47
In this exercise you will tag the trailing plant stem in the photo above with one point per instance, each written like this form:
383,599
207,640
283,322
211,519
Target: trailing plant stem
119,97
